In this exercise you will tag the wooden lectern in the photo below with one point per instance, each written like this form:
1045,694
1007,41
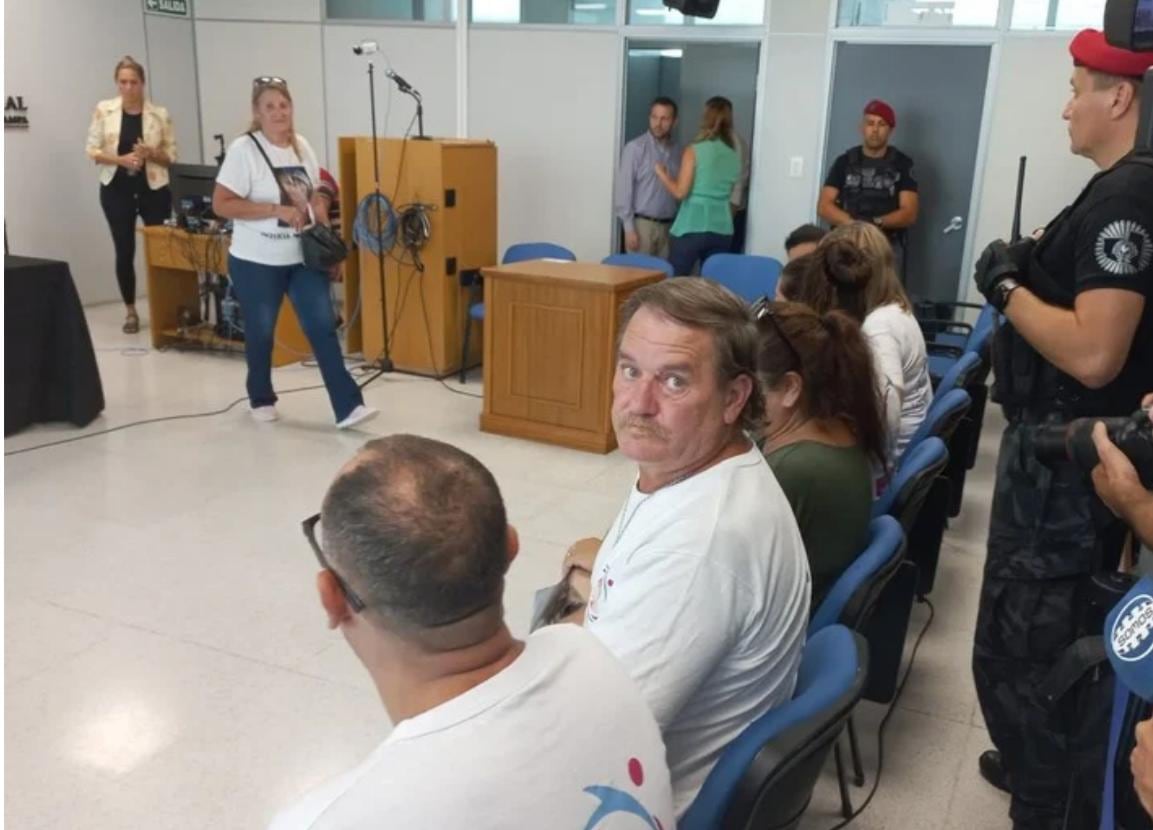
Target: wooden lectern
550,349
427,310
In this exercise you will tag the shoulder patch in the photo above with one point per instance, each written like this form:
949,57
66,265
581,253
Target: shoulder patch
1123,248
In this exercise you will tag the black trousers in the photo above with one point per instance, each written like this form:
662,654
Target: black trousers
123,199
1043,545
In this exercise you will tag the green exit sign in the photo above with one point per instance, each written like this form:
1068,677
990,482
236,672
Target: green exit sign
178,8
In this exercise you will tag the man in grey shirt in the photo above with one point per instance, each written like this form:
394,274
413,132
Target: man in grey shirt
644,206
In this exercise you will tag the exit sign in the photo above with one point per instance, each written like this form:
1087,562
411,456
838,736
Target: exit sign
177,8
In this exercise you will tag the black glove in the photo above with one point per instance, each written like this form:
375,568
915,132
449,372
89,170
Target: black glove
997,272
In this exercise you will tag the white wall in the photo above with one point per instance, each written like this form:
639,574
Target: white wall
172,79
550,101
50,185
231,54
1031,91
425,57
789,126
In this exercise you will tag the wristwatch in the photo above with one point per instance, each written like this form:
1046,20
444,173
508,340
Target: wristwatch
879,221
1001,292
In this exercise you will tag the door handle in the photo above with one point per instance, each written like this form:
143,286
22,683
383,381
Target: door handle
954,224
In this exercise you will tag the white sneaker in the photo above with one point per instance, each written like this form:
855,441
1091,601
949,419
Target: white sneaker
358,416
264,414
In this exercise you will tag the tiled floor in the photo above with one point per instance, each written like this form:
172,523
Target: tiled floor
167,664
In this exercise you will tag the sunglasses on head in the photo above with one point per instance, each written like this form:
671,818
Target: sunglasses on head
762,309
269,80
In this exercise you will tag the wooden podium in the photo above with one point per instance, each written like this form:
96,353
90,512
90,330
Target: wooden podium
550,349
456,181
174,260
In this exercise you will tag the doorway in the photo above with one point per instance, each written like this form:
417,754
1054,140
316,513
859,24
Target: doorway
938,93
689,72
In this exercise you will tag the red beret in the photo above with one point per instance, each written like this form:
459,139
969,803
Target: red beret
1090,50
880,108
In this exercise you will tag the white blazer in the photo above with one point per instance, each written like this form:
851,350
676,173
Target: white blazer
104,136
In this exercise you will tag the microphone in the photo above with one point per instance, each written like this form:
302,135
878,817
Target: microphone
366,47
1129,639
401,83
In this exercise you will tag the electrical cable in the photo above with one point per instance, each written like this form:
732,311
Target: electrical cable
885,719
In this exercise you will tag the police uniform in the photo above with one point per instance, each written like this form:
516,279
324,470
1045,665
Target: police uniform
1048,532
870,187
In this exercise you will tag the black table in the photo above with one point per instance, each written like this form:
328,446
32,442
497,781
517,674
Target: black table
50,371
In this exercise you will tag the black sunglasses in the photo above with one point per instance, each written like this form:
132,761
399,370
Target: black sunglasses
763,308
355,602
309,527
269,80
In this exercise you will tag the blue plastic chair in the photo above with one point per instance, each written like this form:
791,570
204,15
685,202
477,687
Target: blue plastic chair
850,602
746,275
944,415
521,252
765,777
654,263
963,372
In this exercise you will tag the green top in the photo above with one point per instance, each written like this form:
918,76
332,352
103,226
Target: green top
706,208
831,493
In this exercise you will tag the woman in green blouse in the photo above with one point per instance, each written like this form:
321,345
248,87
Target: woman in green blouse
710,167
824,435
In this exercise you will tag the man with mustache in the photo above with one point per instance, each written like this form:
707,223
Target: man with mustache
701,586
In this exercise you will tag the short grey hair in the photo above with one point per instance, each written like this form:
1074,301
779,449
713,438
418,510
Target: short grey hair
699,303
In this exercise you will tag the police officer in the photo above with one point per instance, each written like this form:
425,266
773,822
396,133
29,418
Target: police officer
873,182
1077,341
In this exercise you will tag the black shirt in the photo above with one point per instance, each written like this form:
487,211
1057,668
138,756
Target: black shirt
871,187
1105,240
131,131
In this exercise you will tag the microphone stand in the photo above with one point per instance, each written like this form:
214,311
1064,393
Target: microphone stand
384,363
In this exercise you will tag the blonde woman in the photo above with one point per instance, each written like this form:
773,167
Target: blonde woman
710,168
267,186
132,141
853,270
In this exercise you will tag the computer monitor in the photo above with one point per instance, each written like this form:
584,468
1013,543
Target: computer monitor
192,186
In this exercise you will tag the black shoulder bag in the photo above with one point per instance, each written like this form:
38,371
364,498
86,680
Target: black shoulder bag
321,246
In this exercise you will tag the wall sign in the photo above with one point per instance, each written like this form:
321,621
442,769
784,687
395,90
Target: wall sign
177,8
15,112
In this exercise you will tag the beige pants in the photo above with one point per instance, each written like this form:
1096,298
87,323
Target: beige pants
654,238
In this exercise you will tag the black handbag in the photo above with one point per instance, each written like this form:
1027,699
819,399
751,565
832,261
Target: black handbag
321,246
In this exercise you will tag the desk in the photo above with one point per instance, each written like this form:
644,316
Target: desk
174,260
550,349
50,371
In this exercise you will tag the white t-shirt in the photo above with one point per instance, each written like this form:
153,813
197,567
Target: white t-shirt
702,590
899,354
246,173
558,738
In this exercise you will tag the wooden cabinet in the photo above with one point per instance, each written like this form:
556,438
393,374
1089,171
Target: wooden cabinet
550,349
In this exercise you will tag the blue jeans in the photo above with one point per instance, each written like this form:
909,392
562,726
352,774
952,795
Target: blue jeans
260,290
685,251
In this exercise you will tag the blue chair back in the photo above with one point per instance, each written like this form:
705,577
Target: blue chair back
982,331
959,375
942,419
765,777
855,592
746,275
537,250
919,468
654,263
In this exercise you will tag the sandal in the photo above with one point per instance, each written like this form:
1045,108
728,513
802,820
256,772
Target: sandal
131,323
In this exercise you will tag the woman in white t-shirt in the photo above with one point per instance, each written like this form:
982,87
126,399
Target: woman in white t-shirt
852,270
265,262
